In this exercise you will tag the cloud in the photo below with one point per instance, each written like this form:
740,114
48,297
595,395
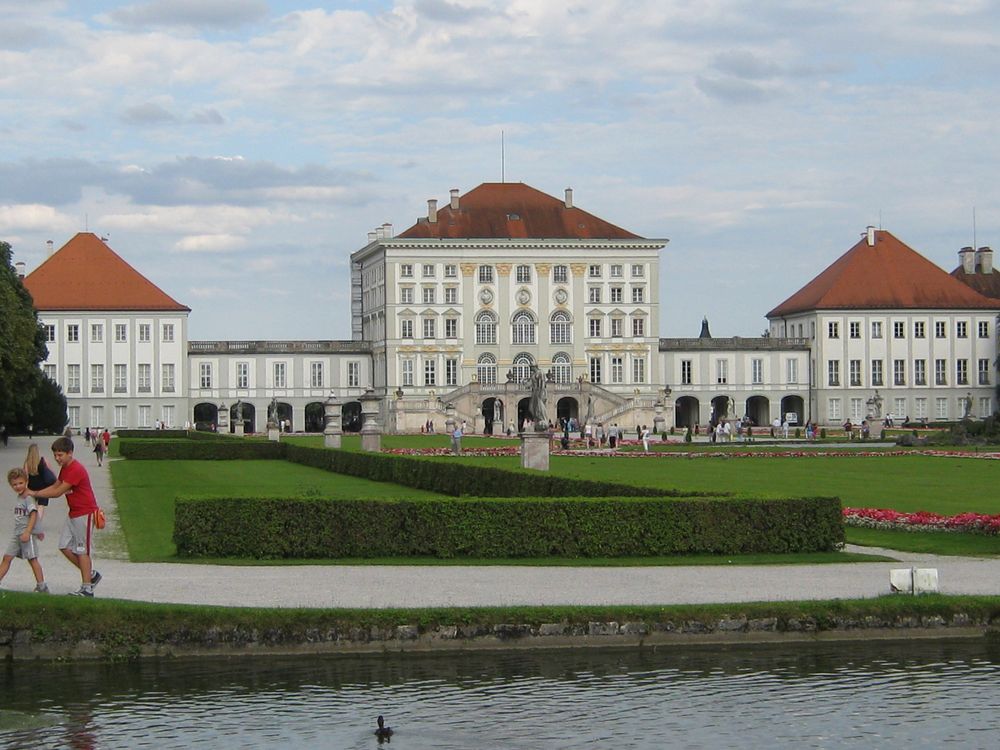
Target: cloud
30,216
209,243
208,116
148,113
220,14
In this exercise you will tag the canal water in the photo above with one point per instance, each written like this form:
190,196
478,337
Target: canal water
844,695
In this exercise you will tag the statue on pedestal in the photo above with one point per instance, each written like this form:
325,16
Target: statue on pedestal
536,404
272,412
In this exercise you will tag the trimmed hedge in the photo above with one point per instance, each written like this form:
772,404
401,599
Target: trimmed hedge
197,450
459,479
151,433
503,528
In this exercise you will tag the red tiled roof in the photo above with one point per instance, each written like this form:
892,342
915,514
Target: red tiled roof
889,275
513,210
987,284
86,274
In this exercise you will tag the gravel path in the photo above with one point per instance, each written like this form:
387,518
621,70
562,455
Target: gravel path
458,586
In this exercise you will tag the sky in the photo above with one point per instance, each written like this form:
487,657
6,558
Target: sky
237,151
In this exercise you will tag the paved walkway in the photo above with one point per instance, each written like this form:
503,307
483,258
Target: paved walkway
458,586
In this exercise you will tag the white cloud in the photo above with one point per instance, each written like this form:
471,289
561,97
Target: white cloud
209,243
31,216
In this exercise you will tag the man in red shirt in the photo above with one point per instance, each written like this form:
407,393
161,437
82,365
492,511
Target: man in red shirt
74,542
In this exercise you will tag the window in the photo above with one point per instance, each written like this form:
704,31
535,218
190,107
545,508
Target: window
353,374
616,294
638,327
72,333
616,271
594,328
97,378
486,369
940,372
451,295
560,328
617,370
50,333
521,368
562,369
243,375
144,332
939,329
121,333
854,372
941,408
833,372
451,328
686,372
121,378
961,372
594,271
984,330
920,372
406,270
50,372
428,295
854,328
451,371
984,372
73,412
450,271
899,372
407,365
756,371
406,329
919,330
144,415
833,330
833,409
316,374
429,328
792,370
72,378
279,375
97,415
985,407
920,405
962,329
639,370
876,372
898,329
638,271
205,372
594,295
523,329
617,326
406,295
486,274
486,328
168,332
121,416
523,274
876,329
856,410
638,295
595,369
559,274
899,409
430,372
96,333
144,378
721,371
428,270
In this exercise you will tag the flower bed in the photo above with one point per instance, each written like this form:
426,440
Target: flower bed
880,518
515,450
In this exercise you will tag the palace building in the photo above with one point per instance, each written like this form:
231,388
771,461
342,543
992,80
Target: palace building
451,315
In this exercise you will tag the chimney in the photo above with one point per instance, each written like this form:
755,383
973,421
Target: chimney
371,237
454,199
379,233
984,256
48,246
387,231
432,210
19,268
870,232
967,257
569,197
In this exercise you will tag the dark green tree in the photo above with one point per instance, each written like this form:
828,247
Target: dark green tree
48,409
22,346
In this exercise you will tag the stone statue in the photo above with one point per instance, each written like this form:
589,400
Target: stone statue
875,406
239,411
272,411
536,404
967,407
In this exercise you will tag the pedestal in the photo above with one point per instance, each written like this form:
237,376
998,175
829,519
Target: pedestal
535,450
331,441
371,441
273,433
239,430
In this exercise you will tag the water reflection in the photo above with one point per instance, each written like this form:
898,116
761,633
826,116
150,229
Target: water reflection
870,694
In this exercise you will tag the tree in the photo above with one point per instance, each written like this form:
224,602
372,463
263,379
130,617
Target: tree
48,409
22,345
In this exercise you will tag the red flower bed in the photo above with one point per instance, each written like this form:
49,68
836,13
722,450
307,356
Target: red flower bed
879,518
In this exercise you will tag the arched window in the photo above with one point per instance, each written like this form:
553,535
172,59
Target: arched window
522,367
562,368
523,328
486,328
486,369
560,328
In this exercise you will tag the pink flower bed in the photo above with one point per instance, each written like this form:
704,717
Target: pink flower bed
879,518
